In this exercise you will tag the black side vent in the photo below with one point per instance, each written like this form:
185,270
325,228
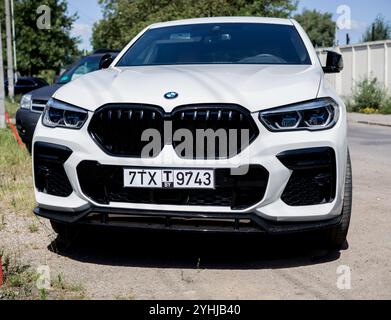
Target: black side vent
50,176
313,180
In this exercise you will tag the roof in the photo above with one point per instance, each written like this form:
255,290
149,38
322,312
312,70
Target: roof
222,20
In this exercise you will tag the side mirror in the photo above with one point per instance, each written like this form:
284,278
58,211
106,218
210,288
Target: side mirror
105,61
334,62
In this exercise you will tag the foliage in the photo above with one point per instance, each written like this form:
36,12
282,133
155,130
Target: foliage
368,94
371,97
380,29
41,49
48,75
386,106
319,26
18,279
124,19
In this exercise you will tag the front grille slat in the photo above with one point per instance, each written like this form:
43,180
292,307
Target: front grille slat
117,128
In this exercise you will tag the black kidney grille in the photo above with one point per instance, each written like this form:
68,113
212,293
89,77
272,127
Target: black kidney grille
214,117
117,128
104,184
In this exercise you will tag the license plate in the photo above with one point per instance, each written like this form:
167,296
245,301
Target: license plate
169,178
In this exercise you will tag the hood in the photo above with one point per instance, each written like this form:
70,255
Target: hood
255,87
45,93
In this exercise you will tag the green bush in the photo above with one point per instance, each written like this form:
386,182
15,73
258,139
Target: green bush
369,94
386,106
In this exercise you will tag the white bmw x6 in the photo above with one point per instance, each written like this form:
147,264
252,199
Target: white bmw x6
213,124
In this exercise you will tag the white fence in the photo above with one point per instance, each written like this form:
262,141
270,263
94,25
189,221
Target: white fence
362,60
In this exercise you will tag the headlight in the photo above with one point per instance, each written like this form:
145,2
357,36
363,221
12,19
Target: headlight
61,114
26,101
318,114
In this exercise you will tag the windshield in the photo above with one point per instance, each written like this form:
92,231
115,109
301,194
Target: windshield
222,43
80,68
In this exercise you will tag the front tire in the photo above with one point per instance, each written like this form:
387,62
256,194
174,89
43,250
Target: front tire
336,236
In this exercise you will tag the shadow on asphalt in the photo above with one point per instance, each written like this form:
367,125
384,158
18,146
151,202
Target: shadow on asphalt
192,250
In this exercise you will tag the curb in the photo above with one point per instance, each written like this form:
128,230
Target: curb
375,123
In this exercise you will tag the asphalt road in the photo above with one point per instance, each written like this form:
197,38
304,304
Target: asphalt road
155,266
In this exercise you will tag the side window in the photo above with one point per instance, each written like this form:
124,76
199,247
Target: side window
25,83
80,70
86,67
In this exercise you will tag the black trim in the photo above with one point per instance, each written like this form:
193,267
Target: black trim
314,176
171,221
50,176
307,158
51,152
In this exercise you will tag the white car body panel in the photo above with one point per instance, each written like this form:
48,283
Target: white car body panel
255,87
239,84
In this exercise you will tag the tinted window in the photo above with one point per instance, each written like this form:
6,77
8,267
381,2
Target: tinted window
41,82
224,43
84,66
25,83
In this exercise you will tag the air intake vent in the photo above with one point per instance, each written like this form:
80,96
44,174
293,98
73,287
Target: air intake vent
50,176
313,180
104,184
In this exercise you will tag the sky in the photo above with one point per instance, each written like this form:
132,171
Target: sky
362,13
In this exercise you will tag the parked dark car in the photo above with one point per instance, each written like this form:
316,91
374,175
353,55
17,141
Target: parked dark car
24,85
33,103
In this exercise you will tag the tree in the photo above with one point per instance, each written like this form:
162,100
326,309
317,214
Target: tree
380,29
46,49
319,26
123,19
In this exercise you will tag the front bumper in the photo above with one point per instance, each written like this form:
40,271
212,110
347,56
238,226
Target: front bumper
26,121
263,152
249,223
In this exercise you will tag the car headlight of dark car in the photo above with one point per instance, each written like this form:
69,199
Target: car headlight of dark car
313,115
26,101
61,114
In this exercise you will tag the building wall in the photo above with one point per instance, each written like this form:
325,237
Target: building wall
362,60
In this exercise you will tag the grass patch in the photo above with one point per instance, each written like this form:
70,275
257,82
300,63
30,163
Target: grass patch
33,228
129,296
19,280
20,283
12,107
16,183
65,290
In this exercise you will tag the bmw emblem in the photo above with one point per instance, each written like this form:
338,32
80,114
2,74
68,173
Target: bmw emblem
171,95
